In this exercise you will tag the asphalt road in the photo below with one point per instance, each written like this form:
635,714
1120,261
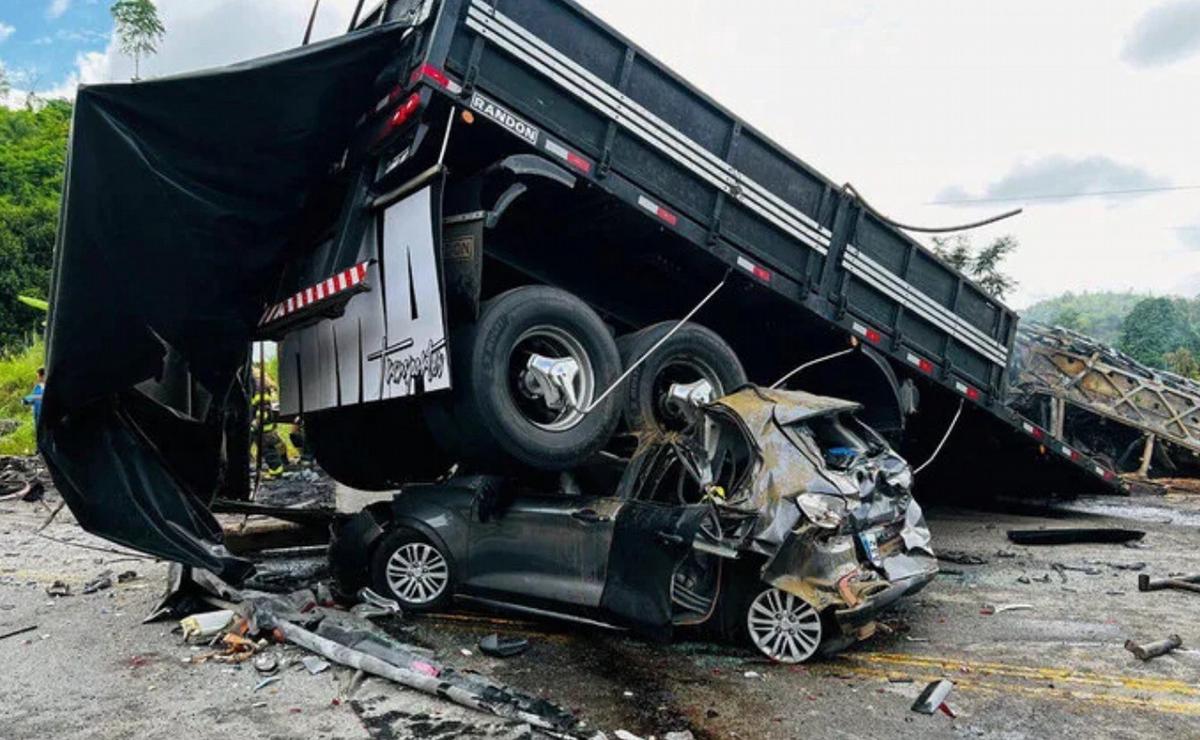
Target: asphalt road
91,669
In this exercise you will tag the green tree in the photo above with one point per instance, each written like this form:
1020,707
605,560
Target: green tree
139,30
1183,362
1069,318
33,145
981,265
1153,329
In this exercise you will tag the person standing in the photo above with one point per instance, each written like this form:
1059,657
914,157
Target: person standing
34,399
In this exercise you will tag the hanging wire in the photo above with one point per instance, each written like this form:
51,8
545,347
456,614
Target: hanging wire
809,364
945,437
848,188
629,371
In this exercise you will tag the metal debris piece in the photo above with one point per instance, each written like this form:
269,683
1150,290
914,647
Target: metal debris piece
626,735
266,663
314,665
58,588
207,624
127,576
989,609
99,583
503,647
266,682
462,689
958,557
1154,649
374,605
1182,583
18,631
933,697
1074,536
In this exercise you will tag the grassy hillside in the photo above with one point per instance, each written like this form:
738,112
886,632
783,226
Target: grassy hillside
17,375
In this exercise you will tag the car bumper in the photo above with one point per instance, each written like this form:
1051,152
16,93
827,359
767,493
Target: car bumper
907,574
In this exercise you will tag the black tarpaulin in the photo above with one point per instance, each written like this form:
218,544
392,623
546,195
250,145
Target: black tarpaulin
181,199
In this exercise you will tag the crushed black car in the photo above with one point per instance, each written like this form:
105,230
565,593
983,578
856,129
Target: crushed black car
776,517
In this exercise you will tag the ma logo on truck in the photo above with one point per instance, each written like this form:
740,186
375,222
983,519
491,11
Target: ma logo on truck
506,119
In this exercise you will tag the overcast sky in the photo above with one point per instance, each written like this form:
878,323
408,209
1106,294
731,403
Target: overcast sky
916,102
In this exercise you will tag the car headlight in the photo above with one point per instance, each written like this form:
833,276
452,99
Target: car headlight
827,512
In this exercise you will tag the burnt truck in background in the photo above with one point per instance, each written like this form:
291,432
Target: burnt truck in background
531,206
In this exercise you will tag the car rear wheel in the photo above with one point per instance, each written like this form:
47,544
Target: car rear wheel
783,626
413,570
525,376
693,354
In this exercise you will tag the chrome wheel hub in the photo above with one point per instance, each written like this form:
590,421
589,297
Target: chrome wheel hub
783,627
552,381
417,573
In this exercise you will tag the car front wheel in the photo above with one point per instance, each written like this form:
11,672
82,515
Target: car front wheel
414,571
783,626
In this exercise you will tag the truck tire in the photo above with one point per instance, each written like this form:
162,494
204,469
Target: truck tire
496,418
375,446
693,353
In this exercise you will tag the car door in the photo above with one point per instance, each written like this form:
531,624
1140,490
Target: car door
550,548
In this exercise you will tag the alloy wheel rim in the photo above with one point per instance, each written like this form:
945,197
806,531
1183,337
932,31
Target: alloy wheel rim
785,628
417,573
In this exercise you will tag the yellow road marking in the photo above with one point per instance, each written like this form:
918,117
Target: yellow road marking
1122,692
1086,677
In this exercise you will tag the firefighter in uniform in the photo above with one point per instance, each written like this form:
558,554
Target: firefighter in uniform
264,430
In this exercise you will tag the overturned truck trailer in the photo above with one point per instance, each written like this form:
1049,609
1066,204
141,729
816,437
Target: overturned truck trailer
473,228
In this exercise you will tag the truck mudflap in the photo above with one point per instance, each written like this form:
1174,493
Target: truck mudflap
175,222
390,340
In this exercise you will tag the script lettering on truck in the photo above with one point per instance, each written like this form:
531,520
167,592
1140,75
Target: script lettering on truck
391,341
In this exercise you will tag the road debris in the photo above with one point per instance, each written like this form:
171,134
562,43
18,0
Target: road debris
933,697
989,609
1074,536
1181,583
503,647
958,557
18,631
207,624
314,665
267,682
373,605
266,663
464,689
1150,650
58,589
99,583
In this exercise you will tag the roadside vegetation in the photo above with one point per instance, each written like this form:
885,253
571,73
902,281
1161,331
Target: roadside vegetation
18,372
1162,332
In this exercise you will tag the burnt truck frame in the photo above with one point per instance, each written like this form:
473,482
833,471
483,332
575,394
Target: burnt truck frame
548,149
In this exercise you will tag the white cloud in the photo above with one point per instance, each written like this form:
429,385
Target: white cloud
6,30
57,8
1167,33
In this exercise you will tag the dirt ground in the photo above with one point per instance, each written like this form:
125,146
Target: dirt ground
91,669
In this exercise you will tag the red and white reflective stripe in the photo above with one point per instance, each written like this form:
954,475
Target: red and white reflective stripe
438,77
919,363
968,391
577,161
871,335
327,288
757,271
1068,452
1033,431
662,213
